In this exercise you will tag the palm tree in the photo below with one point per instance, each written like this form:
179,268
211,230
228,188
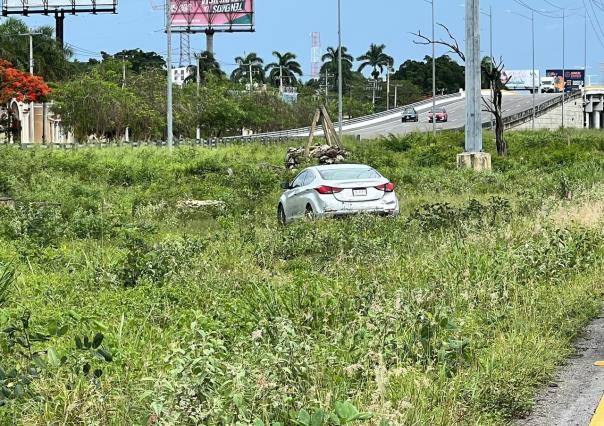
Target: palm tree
207,65
330,65
285,67
377,59
51,60
241,74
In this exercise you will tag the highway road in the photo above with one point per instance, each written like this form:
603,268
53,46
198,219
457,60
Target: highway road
512,104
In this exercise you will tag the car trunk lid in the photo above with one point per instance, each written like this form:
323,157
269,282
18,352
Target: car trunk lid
358,191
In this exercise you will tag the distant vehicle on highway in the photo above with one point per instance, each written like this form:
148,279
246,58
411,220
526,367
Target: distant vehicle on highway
409,114
440,114
547,85
336,190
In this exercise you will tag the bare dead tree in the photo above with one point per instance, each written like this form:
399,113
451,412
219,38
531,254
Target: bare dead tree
491,71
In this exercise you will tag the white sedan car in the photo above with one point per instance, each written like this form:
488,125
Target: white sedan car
337,190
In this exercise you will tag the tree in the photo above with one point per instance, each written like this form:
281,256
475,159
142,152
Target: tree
330,66
215,111
492,70
252,62
376,59
286,67
20,85
450,76
208,65
95,104
138,59
50,60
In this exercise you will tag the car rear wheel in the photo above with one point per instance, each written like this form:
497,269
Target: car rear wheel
309,213
281,215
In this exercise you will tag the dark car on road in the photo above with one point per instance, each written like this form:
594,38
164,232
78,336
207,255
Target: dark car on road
440,114
409,114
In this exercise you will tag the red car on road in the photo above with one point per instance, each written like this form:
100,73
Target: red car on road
440,114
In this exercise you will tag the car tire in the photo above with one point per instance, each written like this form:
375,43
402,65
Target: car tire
309,213
281,218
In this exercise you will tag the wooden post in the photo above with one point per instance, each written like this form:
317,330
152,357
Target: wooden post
313,127
329,129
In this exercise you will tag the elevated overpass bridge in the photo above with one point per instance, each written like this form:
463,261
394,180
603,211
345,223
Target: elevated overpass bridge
517,112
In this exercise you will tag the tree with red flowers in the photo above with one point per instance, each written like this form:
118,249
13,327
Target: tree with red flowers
21,86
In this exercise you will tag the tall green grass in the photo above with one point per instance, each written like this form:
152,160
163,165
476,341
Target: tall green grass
452,313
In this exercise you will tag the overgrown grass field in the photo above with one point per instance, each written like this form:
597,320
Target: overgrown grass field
119,307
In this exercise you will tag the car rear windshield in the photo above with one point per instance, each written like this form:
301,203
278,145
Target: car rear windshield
409,111
437,110
349,174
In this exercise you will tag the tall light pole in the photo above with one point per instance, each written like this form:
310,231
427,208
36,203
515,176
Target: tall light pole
563,61
169,118
198,80
532,19
31,117
31,49
433,65
473,136
492,60
340,101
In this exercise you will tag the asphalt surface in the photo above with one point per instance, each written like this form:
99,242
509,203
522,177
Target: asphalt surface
573,396
512,104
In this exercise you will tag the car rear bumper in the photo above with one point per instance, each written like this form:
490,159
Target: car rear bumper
386,206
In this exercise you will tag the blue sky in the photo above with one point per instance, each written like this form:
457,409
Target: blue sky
285,25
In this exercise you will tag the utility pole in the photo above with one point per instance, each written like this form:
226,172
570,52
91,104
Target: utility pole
533,42
326,86
340,101
198,79
374,81
169,118
563,62
473,136
31,55
492,60
395,96
280,79
535,84
433,73
250,65
31,116
388,89
31,49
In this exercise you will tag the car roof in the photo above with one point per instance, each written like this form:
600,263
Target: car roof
340,166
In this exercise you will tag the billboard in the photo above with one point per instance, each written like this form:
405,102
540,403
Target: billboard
521,79
21,7
569,81
212,15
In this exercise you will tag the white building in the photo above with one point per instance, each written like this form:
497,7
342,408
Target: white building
180,74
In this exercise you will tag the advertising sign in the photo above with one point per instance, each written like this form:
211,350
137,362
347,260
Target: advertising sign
520,79
216,15
34,6
570,81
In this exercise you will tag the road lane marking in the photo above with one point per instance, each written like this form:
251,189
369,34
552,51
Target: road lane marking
598,418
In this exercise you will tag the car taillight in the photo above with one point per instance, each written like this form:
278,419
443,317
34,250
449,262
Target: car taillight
324,189
387,187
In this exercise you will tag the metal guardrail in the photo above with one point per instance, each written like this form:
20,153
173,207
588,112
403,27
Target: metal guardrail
303,131
525,116
519,118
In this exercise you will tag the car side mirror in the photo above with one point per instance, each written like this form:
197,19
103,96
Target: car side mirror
285,185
